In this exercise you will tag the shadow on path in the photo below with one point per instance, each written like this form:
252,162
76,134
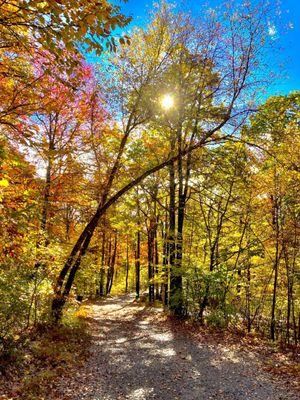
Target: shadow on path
134,357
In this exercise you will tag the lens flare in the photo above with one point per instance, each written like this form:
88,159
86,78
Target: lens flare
167,102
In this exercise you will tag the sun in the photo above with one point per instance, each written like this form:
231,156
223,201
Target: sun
167,102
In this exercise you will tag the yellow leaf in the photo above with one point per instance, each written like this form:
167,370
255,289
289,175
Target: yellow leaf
4,182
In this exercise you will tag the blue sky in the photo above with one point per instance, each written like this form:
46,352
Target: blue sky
286,39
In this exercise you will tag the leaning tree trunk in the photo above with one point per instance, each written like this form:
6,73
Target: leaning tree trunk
72,264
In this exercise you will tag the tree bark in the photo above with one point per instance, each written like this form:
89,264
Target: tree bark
111,268
151,257
102,269
127,265
156,261
175,291
275,211
137,264
165,271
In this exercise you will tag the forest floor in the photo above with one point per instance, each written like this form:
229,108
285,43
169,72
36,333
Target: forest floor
137,353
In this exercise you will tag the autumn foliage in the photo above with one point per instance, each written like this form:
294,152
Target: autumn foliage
105,188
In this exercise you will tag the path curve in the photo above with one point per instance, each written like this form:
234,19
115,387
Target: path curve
134,358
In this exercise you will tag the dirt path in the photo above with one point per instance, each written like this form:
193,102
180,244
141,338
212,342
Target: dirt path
133,357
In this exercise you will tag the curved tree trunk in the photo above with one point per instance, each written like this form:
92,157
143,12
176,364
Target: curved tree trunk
73,261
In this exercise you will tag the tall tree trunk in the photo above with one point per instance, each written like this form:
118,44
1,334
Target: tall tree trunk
276,264
174,293
68,219
156,261
108,263
46,202
248,296
47,190
127,265
273,318
137,264
102,269
165,271
111,267
177,277
151,257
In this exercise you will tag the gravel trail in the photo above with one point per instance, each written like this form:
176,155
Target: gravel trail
133,357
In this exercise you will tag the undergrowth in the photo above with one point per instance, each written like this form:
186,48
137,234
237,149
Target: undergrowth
43,355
